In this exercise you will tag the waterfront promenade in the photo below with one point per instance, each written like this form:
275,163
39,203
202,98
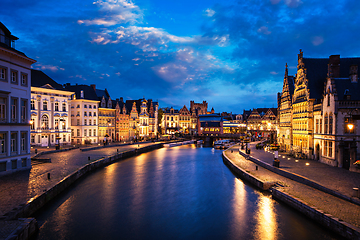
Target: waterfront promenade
336,179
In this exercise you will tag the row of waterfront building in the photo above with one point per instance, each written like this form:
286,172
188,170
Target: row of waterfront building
319,109
36,111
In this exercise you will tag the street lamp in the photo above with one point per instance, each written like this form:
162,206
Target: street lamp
350,125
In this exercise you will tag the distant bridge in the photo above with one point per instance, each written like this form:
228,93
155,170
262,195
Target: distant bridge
209,139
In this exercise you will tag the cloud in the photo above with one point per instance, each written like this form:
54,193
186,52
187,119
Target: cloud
317,40
264,30
48,67
209,12
293,3
115,12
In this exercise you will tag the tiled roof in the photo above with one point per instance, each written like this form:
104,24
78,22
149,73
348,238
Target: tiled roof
316,73
39,79
352,89
89,92
100,93
317,69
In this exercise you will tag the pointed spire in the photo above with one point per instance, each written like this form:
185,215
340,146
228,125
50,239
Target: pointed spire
300,55
286,70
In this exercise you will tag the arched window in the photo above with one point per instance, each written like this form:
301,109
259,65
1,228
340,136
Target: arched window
330,123
45,122
326,122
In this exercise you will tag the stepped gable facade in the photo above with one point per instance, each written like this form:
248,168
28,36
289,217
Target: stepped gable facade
285,112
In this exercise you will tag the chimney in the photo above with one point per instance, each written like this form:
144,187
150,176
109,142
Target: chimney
334,66
121,99
82,94
354,73
93,86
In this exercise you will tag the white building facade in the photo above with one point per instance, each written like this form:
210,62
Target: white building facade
50,120
84,121
15,79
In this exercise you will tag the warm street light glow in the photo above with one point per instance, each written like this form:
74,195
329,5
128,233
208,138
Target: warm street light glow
31,122
350,126
307,164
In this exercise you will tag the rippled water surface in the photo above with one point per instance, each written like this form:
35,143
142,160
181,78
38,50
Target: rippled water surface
171,193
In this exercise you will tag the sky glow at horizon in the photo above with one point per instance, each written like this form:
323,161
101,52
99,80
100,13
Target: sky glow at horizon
231,54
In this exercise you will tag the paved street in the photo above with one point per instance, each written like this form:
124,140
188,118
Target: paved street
18,188
333,178
335,206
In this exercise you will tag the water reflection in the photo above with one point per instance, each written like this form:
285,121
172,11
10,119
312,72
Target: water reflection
239,207
108,190
266,219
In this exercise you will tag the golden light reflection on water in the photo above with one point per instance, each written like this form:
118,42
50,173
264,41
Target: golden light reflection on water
239,207
266,227
62,218
108,188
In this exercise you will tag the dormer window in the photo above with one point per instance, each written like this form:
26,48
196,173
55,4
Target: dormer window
347,95
6,37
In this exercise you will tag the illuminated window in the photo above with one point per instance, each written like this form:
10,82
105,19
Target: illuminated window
330,148
326,124
44,122
330,123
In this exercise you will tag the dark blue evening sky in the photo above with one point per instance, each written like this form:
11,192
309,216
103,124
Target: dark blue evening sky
230,53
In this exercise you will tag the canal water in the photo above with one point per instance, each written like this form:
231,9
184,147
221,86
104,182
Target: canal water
171,193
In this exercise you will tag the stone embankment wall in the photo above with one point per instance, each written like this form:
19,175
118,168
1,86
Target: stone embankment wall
245,175
334,224
26,230
39,201
299,178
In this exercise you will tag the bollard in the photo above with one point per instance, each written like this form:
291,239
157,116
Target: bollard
231,151
117,150
89,158
256,168
48,176
35,151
